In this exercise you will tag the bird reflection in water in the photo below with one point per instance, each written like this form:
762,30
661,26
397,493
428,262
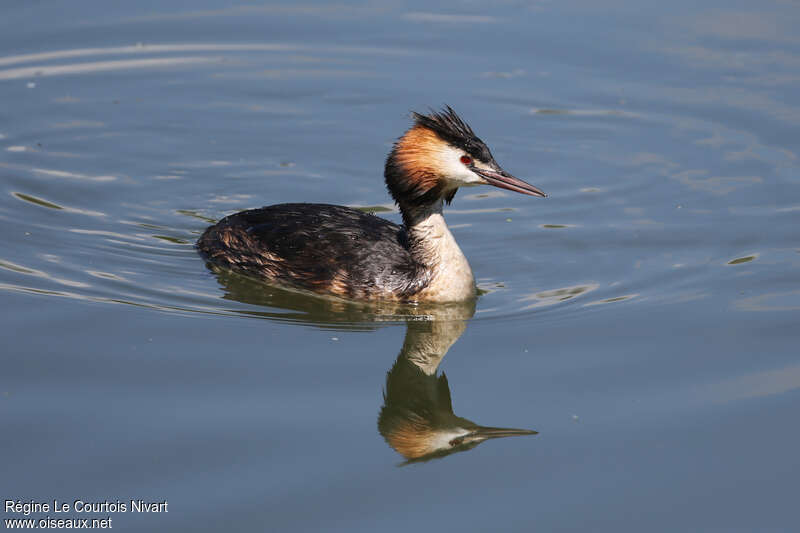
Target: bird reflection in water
417,418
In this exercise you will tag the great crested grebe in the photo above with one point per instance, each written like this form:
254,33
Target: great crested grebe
335,250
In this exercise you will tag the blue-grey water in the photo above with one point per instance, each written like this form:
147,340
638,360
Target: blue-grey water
644,318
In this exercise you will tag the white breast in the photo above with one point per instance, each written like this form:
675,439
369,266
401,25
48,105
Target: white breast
452,278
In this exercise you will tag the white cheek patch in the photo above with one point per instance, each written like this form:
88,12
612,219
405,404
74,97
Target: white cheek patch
458,173
441,440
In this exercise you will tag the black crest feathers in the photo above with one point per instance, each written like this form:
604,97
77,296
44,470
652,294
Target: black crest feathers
446,123
451,128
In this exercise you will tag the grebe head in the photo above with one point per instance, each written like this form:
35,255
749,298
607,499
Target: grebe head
439,154
418,439
417,418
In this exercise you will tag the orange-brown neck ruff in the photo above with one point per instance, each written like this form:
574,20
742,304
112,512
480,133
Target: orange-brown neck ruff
411,172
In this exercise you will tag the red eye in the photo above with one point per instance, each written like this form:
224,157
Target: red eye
466,159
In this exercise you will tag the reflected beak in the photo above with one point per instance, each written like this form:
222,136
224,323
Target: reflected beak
504,180
484,433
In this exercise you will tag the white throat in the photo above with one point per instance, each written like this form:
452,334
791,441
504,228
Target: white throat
434,245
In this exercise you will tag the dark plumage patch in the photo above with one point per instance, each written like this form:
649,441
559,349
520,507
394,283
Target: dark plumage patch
322,248
450,127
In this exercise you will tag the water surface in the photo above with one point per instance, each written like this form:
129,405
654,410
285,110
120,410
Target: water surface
643,319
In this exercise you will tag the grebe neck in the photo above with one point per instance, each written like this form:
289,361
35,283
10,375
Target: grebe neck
432,245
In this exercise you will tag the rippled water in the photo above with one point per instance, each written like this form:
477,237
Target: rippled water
643,319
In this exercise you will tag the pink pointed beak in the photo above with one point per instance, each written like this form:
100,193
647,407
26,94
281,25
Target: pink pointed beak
504,180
